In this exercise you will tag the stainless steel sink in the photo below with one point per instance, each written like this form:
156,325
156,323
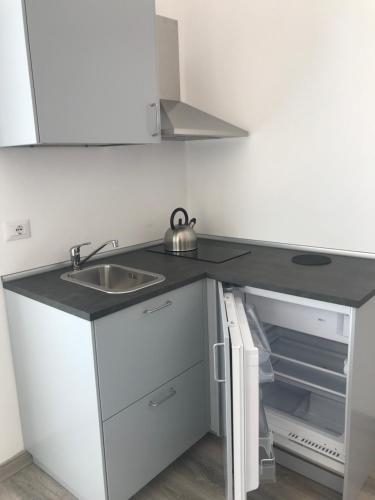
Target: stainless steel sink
111,278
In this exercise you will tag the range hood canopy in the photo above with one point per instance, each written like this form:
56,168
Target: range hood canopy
179,121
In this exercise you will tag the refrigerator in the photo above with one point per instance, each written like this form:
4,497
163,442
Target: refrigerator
281,363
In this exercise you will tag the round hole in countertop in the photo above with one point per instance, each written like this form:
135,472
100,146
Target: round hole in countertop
310,259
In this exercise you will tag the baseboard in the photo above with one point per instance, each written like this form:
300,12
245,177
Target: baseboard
15,464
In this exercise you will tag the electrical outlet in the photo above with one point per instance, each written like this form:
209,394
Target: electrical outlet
17,230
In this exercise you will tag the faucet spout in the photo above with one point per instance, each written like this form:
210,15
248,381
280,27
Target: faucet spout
76,254
114,243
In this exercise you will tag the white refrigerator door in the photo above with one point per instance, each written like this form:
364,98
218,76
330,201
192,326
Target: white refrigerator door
241,362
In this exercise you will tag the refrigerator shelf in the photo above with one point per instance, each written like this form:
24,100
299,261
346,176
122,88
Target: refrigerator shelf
308,365
310,378
324,355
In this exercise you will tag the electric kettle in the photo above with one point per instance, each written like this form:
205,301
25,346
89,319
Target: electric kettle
181,237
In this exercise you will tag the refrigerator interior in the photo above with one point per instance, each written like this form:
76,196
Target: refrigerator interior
305,406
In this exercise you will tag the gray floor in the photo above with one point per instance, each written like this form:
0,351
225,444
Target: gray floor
197,475
32,484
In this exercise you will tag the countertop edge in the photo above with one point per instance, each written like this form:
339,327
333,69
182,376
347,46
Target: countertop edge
48,302
151,293
95,315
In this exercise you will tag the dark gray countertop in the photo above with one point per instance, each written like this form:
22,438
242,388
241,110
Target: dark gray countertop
347,280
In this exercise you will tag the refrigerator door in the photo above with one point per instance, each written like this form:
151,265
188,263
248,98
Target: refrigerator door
241,386
226,392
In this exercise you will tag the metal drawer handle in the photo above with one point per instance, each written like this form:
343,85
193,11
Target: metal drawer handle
216,375
150,311
155,404
155,108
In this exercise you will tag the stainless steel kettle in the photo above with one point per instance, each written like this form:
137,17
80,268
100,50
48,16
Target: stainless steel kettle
181,237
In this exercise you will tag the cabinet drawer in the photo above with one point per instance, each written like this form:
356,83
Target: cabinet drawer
145,438
144,346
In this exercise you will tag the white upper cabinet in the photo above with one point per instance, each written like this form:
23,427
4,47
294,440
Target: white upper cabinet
78,72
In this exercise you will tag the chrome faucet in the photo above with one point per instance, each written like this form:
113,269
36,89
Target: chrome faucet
75,253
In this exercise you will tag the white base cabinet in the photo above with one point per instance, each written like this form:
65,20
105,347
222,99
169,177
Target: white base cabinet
54,361
106,406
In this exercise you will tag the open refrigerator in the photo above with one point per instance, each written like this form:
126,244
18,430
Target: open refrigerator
282,367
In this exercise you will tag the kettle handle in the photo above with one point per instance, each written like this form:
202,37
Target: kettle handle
173,215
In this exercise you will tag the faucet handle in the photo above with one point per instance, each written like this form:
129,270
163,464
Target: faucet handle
75,254
76,248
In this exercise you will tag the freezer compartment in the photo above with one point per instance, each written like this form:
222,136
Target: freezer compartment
310,317
316,410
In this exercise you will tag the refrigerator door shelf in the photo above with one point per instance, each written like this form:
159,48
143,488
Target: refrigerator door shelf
267,468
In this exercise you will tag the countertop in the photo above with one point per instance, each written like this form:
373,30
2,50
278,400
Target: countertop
347,280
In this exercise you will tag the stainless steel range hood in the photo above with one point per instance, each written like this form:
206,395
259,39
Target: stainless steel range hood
179,121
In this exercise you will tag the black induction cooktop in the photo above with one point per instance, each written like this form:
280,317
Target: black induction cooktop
208,251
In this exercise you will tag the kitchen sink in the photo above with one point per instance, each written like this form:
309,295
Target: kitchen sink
112,278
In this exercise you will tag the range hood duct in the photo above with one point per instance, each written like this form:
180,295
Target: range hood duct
179,121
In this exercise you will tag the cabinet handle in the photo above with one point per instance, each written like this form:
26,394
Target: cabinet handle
150,311
216,375
155,404
154,106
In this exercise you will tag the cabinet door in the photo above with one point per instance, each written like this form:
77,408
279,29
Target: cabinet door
244,463
94,70
17,120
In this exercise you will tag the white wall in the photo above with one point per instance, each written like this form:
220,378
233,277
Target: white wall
300,75
73,195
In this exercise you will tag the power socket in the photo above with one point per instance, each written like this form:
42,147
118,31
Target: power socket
17,230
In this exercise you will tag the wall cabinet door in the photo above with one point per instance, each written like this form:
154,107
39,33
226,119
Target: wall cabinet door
93,66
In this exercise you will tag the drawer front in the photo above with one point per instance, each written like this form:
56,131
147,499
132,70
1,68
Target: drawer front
145,438
302,318
142,347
